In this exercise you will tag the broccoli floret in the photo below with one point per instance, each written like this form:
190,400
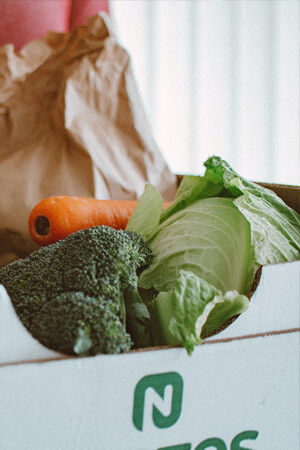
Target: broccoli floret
80,324
70,295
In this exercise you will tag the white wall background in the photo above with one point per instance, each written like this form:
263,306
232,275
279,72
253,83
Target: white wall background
218,77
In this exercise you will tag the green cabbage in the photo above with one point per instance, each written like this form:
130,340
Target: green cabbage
208,245
211,238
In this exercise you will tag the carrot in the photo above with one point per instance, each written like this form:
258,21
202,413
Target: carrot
54,218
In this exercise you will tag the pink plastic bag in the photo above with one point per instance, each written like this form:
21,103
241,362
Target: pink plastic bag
22,21
81,10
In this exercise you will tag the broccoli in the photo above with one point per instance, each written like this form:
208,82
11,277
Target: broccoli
70,294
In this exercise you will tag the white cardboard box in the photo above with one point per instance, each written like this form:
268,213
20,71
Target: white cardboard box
239,389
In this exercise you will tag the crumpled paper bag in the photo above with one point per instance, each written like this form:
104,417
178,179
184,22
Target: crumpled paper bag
71,123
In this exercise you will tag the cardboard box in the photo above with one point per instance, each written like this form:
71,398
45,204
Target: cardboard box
239,389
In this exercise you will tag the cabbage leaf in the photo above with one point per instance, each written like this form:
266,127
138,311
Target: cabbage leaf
191,310
208,245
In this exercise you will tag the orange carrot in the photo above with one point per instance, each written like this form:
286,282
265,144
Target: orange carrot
54,218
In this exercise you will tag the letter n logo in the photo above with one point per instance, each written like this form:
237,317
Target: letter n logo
165,391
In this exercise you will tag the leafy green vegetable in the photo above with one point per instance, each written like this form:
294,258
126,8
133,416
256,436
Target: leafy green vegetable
192,309
208,245
146,219
275,228
211,238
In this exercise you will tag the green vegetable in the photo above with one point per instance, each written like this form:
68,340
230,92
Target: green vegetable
70,294
180,315
211,238
208,245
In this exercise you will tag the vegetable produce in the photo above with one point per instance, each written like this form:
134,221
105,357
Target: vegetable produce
208,245
70,294
54,218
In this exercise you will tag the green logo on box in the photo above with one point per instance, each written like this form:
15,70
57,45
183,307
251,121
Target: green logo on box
217,443
165,398
159,383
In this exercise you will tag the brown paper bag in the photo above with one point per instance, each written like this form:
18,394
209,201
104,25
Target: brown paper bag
71,123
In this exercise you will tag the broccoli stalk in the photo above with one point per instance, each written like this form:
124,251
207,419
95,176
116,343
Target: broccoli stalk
70,295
